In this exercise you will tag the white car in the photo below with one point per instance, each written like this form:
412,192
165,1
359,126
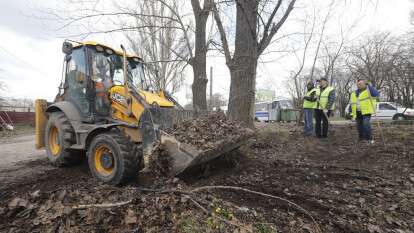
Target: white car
388,111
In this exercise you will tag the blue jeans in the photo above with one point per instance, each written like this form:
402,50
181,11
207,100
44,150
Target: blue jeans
364,126
308,118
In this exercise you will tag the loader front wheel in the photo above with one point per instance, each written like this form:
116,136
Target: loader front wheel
59,136
112,158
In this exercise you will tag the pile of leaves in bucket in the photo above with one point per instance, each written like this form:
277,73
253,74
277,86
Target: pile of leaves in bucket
206,132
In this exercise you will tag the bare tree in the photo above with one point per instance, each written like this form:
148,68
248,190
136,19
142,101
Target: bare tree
154,44
344,82
256,25
388,63
400,86
88,14
333,51
370,59
297,88
196,59
321,37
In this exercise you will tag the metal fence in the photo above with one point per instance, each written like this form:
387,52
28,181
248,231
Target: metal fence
18,117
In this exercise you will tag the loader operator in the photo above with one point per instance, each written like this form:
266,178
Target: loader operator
102,78
309,106
363,104
325,106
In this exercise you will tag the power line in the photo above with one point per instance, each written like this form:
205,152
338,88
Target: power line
20,60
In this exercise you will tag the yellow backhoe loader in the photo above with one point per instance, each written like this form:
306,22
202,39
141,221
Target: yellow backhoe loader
106,110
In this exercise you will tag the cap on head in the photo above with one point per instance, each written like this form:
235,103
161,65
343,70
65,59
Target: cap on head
323,79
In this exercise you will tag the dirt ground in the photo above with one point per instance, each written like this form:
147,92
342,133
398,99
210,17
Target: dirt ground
345,185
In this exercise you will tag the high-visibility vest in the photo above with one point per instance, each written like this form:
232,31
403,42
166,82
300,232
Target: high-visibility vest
367,103
310,104
323,98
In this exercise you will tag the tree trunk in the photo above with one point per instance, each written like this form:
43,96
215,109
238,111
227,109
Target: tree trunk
244,64
198,62
199,86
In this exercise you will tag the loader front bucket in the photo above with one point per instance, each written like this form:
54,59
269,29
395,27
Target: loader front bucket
184,156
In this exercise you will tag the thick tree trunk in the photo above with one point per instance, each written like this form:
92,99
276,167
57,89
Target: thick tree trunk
198,62
242,91
244,64
199,86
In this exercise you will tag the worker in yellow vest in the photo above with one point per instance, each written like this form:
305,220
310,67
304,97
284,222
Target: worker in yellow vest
309,105
325,107
363,104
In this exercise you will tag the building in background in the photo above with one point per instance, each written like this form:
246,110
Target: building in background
265,95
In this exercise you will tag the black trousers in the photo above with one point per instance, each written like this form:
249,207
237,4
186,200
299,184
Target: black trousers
321,124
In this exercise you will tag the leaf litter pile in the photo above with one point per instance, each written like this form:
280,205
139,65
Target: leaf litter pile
345,185
206,132
211,132
87,207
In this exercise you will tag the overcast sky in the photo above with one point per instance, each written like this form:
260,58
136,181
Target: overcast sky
31,57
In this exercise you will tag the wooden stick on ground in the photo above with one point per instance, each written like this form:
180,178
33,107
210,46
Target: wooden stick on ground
103,205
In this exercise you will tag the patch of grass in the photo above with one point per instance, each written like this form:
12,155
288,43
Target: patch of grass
214,223
264,228
24,128
189,224
21,128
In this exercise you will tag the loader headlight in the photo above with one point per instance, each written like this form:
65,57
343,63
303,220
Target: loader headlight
99,48
109,51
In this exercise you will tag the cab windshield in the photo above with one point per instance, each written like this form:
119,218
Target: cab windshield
108,70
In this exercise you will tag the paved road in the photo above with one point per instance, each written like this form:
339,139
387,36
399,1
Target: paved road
19,148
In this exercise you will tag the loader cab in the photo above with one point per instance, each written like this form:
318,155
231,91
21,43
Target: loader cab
90,70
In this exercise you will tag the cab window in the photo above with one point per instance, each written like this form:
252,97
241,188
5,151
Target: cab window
102,79
76,81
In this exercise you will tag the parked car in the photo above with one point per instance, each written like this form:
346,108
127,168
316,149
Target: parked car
387,111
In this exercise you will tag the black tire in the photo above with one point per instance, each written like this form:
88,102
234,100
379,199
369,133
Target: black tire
65,138
124,157
398,116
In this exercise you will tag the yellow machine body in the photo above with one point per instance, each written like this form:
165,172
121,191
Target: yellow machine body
40,122
119,104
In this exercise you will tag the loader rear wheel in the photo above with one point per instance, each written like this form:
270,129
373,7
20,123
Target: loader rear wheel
112,158
59,136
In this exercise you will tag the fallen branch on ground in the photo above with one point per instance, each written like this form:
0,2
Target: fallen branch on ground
103,205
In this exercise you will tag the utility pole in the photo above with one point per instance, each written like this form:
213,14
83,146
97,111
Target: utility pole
211,88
